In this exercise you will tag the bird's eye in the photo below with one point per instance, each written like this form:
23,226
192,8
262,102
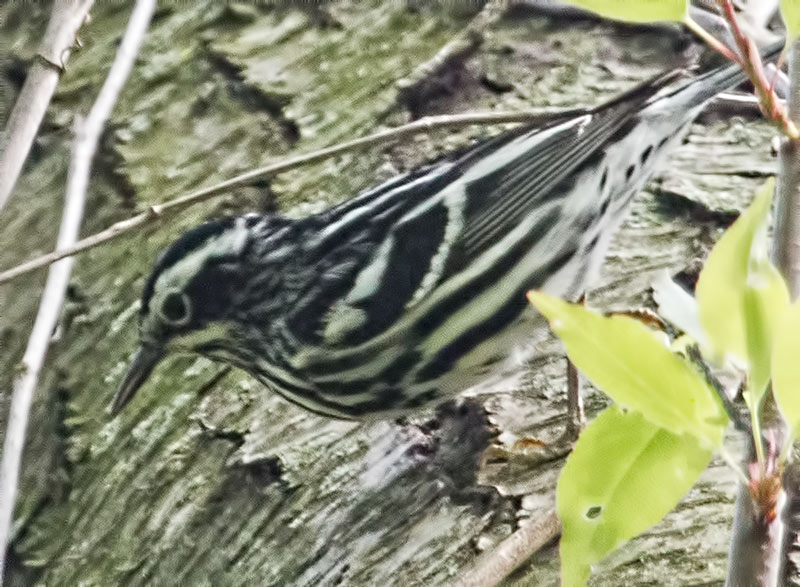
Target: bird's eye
175,309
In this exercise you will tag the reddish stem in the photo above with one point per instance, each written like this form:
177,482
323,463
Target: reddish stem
753,67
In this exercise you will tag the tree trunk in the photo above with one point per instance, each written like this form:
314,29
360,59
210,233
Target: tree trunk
208,478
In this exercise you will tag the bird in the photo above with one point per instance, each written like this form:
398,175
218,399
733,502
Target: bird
414,290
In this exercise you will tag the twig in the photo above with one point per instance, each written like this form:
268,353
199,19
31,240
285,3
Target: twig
459,47
740,422
760,545
707,23
786,247
753,67
786,255
159,211
736,104
710,39
38,89
87,136
496,565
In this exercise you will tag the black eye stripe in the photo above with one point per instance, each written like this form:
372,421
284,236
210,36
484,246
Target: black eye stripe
188,242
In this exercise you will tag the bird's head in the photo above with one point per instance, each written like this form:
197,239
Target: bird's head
186,304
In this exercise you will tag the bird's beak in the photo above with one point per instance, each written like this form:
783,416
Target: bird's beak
145,359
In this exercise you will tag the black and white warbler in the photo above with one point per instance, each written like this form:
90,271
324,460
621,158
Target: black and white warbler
415,290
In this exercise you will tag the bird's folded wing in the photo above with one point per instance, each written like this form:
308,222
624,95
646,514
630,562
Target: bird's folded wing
400,241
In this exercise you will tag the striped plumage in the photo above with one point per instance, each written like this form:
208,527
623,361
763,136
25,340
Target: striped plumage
414,290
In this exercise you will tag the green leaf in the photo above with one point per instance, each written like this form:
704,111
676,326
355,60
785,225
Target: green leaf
790,10
622,477
741,296
764,309
786,366
636,10
626,360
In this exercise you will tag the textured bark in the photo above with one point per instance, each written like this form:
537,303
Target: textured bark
207,478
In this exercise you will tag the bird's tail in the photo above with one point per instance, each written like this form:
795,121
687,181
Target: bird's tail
705,86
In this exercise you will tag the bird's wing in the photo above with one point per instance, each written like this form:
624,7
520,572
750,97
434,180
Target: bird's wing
536,167
390,247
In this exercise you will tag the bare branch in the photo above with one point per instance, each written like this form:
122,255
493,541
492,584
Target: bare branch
38,89
754,68
457,48
760,545
87,136
786,248
159,211
754,557
496,565
786,255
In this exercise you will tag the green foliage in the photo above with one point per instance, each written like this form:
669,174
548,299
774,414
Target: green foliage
741,295
786,367
663,443
637,10
790,10
627,361
623,476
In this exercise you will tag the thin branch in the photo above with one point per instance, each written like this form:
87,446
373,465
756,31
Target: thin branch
754,556
752,64
717,32
710,39
790,546
87,136
762,540
786,246
38,89
786,255
740,421
737,102
457,48
158,212
497,564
